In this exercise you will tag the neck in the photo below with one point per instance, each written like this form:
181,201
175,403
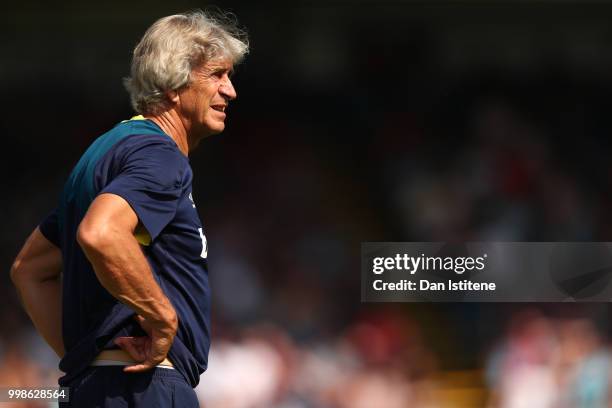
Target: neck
170,122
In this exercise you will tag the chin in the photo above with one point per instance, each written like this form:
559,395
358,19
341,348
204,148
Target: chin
215,130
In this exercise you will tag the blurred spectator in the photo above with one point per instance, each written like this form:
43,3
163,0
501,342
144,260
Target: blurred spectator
584,366
521,370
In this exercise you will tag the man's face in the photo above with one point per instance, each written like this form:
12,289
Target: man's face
203,102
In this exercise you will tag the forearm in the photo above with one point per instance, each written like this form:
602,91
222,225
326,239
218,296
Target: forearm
123,270
36,274
42,300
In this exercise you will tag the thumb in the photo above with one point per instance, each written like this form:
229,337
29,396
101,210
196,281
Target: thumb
139,319
143,323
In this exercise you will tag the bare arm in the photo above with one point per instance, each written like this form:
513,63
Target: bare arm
36,274
106,235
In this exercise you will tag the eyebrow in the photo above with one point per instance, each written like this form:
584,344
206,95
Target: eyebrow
219,67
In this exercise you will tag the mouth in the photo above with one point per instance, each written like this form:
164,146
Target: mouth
219,108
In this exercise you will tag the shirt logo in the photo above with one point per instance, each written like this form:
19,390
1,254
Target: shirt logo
204,253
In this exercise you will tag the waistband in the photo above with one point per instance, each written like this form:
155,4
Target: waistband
122,358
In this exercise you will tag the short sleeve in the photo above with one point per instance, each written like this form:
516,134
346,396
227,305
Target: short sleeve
49,227
150,180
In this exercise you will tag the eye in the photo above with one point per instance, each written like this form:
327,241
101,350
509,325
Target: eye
222,72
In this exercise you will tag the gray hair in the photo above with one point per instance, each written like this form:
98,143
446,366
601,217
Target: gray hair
172,47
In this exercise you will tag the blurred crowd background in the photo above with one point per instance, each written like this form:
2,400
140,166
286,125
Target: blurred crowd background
355,121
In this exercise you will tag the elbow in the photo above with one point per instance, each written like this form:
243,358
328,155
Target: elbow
97,238
38,261
21,272
16,274
89,236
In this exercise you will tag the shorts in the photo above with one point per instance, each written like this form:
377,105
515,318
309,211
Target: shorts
110,387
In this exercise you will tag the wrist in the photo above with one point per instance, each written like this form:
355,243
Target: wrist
166,322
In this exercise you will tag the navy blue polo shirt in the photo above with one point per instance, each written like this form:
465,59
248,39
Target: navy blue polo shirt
137,161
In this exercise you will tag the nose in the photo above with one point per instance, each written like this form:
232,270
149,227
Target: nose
226,89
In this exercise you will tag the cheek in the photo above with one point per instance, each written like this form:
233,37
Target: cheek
203,103
189,104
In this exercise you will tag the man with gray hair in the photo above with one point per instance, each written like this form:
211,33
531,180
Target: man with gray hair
116,277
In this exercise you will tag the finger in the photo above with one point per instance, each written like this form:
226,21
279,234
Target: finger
139,368
139,341
132,350
134,346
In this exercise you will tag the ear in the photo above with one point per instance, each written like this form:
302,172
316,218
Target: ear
172,96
